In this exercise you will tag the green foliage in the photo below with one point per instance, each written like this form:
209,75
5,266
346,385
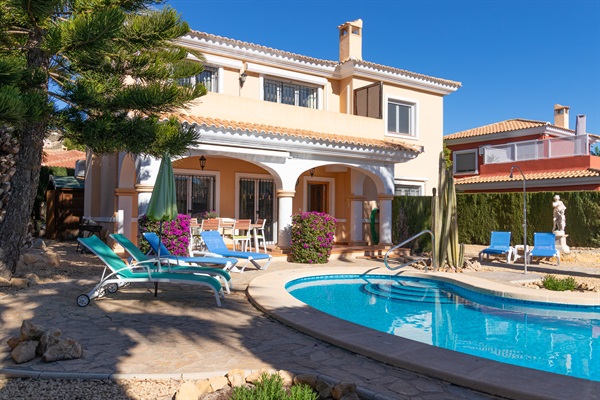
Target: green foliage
551,282
45,178
312,237
481,213
113,66
270,387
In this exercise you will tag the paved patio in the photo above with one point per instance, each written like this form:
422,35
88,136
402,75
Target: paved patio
181,333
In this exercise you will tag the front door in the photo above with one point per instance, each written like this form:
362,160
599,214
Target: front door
256,200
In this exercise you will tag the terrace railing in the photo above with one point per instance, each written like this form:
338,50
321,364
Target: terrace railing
537,149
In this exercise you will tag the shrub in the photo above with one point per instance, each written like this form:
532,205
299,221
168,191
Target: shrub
175,234
208,214
312,237
551,282
270,387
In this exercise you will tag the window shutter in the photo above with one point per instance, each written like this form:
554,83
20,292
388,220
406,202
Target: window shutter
368,100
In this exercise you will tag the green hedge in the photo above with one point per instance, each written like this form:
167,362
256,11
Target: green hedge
479,214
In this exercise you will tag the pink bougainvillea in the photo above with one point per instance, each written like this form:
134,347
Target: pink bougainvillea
312,237
175,234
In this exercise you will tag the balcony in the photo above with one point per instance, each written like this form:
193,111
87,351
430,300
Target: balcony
533,150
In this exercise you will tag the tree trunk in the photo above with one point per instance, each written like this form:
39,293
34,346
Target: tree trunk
13,228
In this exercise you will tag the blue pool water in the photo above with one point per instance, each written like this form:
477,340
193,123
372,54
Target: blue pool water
555,338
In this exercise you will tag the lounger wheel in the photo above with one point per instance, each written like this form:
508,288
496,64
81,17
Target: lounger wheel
83,300
112,288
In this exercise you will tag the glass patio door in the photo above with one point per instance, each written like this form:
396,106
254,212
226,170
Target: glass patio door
256,200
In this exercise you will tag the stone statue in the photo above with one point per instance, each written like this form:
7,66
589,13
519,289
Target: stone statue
560,221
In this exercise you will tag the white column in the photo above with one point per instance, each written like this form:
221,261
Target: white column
284,198
385,219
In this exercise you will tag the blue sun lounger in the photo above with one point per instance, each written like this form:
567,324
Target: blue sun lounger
499,244
170,264
118,274
227,263
544,245
215,244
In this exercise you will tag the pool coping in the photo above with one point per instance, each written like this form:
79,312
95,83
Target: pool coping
267,293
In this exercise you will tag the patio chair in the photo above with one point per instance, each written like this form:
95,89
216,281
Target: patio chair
241,234
171,264
117,274
259,234
215,244
227,263
544,245
499,244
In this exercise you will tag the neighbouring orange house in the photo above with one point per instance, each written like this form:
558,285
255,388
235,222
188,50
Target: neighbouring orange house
551,156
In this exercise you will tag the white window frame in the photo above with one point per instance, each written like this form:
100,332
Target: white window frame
413,121
195,172
419,184
461,152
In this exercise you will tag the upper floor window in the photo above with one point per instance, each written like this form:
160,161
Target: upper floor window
290,93
407,190
465,162
208,77
401,117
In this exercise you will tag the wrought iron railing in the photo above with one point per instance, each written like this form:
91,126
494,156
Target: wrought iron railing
433,263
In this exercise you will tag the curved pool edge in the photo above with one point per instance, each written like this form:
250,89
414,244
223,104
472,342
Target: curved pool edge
267,292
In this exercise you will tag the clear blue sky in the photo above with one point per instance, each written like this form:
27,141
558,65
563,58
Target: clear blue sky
515,58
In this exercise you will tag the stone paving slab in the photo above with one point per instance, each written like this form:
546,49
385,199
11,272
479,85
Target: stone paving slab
183,333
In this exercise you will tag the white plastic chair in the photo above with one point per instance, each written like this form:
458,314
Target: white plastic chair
260,234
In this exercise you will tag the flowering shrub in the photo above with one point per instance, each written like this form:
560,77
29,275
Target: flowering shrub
312,237
208,214
175,234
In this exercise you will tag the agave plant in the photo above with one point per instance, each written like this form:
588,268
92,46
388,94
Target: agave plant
445,224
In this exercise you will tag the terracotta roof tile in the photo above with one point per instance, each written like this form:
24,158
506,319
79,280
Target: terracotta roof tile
498,127
295,133
311,60
62,158
531,176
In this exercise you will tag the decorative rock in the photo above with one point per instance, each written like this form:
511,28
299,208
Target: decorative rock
323,389
236,377
25,351
50,338
256,376
218,382
287,377
350,396
30,331
65,349
13,342
307,379
19,283
342,389
187,391
203,387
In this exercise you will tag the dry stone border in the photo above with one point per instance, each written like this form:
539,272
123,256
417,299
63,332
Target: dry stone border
34,341
221,387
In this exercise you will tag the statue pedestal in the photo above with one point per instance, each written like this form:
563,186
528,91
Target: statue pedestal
561,242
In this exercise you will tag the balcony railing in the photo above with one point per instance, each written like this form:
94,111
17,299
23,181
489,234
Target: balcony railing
537,150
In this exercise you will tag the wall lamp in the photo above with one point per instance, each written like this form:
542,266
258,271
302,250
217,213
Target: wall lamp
312,172
243,78
202,162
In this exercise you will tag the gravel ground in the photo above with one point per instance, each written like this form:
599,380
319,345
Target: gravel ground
76,266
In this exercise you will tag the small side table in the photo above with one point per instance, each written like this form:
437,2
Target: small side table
520,247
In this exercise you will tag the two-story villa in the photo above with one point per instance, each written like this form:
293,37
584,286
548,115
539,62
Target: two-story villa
282,133
551,156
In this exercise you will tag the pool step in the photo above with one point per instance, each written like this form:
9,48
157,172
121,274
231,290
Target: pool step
412,291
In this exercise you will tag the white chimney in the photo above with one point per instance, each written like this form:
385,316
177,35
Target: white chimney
351,40
561,116
580,128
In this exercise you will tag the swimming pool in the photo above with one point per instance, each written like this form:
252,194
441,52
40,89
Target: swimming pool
554,338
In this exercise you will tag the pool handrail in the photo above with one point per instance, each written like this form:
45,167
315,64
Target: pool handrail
433,263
